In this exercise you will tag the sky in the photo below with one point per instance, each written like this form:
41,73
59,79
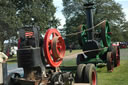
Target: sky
124,4
59,5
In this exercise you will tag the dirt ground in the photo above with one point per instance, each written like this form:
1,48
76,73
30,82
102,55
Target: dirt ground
73,54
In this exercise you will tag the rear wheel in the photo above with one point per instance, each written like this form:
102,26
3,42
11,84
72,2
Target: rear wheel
79,73
79,59
114,51
110,64
116,55
90,75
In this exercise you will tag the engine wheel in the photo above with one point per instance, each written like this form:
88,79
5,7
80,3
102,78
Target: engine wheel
90,74
79,59
110,64
105,34
54,47
79,78
116,55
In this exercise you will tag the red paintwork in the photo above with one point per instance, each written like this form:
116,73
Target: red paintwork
19,43
118,56
93,78
29,34
49,36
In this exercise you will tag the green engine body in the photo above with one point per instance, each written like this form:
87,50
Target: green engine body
96,48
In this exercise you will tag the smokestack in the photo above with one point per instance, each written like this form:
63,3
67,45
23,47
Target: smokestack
89,19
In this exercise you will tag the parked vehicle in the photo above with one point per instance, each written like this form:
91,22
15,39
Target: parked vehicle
116,44
123,44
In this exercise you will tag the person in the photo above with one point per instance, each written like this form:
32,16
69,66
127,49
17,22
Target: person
3,57
3,65
70,48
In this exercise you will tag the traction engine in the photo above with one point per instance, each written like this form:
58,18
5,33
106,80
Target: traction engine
95,42
40,59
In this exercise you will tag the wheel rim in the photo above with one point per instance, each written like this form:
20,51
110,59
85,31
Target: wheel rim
48,47
93,78
58,47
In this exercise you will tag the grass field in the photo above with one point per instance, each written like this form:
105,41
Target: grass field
12,60
118,77
120,74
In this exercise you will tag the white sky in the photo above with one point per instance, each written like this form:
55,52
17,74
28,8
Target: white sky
124,4
59,5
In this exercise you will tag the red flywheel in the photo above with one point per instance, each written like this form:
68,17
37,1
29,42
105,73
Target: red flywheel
54,47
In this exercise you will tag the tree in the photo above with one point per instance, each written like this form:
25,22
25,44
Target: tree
17,13
39,12
125,31
74,13
8,21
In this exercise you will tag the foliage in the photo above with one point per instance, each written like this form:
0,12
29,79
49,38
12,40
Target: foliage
39,12
74,13
17,13
8,20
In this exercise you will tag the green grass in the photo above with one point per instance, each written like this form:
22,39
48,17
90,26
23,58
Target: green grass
120,74
69,62
12,60
118,77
